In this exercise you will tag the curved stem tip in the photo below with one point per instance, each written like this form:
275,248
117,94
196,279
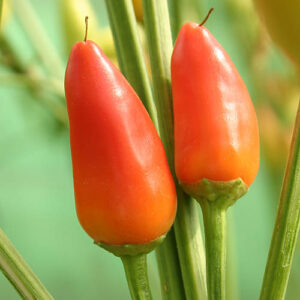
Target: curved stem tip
203,22
86,27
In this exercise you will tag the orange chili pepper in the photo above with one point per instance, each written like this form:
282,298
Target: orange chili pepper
216,137
124,190
216,131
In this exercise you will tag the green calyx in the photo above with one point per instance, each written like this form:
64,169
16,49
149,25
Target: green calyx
221,193
131,249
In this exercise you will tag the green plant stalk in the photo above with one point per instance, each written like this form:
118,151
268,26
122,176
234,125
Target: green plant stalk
214,218
136,273
286,226
39,38
215,197
19,273
190,247
232,291
129,51
175,17
160,47
187,225
169,269
130,57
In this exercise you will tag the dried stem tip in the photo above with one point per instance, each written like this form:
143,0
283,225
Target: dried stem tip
210,11
86,28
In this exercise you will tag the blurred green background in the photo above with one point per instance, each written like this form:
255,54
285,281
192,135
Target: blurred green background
37,208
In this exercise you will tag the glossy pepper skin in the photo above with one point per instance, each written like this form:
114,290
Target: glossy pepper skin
216,130
124,190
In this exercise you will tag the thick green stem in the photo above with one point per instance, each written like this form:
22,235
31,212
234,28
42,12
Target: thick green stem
286,226
175,17
190,247
169,269
214,218
232,288
187,225
19,273
137,276
160,47
215,197
130,52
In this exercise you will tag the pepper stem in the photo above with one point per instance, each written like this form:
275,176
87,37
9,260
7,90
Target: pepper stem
137,277
203,22
86,28
214,218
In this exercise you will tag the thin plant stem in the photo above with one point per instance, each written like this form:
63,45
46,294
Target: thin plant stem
187,224
11,56
214,219
286,226
19,273
129,51
137,277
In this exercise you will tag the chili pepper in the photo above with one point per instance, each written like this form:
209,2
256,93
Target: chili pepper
216,137
124,190
216,131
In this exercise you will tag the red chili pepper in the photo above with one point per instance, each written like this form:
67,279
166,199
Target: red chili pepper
124,190
216,131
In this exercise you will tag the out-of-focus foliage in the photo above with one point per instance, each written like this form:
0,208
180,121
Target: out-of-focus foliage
37,209
276,83
138,9
282,21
